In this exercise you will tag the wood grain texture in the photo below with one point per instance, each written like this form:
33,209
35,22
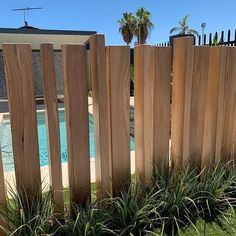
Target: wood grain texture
162,89
118,80
101,113
143,103
52,123
198,105
214,106
229,140
19,77
77,122
181,101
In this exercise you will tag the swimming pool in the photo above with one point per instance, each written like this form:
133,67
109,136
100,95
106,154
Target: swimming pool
6,140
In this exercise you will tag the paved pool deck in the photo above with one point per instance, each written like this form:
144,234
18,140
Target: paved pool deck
10,175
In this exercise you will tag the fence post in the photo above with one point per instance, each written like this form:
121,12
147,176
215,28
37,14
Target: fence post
181,101
2,194
162,89
52,123
118,79
198,105
143,110
101,111
77,122
19,76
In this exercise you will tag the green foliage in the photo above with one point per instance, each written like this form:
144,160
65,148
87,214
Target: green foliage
183,27
143,25
90,221
127,27
132,72
24,216
174,204
133,211
176,201
139,25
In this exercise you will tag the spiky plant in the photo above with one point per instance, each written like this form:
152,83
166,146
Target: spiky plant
143,25
20,218
183,28
89,221
177,202
133,211
127,27
215,200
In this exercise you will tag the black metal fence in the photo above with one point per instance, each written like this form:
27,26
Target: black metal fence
227,38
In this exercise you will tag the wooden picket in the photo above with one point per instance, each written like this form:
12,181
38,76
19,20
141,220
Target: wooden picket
198,104
143,102
181,100
52,123
229,138
214,106
162,93
101,111
77,122
117,70
19,76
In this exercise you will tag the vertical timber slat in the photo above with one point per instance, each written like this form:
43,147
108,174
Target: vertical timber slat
162,90
198,104
101,113
52,123
229,141
221,109
143,109
213,110
77,124
117,69
181,101
20,86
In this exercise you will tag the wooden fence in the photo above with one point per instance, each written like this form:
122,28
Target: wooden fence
198,87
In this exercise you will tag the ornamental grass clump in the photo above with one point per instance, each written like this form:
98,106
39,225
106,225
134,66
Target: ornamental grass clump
88,221
215,200
177,202
133,211
24,216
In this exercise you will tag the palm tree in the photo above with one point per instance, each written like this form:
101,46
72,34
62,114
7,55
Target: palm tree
184,28
127,27
143,25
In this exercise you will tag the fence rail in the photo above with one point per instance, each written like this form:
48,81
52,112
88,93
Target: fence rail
201,98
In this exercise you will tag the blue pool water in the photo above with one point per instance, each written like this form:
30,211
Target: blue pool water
6,141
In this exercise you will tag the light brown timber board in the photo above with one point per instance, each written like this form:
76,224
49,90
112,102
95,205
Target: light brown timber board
101,114
77,122
143,103
162,89
181,101
52,123
20,86
198,105
118,79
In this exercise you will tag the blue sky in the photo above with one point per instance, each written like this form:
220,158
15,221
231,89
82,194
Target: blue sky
102,15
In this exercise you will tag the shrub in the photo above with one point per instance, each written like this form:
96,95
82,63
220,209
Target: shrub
22,218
